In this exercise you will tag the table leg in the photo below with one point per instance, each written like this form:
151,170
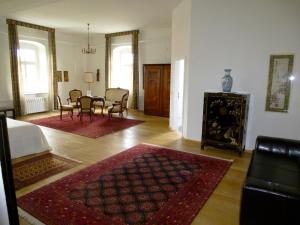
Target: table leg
103,106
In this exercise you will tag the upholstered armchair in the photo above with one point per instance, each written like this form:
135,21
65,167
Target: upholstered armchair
85,106
73,97
66,108
115,101
119,106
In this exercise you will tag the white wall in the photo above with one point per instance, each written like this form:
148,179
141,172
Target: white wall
69,58
242,35
155,47
180,50
5,79
97,61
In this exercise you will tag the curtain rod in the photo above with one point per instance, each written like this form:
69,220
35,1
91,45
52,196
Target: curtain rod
29,25
122,33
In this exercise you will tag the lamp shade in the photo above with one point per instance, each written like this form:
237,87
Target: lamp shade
88,77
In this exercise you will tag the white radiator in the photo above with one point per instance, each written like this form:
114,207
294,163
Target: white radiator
36,104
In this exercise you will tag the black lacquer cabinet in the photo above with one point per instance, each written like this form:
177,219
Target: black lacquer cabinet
225,120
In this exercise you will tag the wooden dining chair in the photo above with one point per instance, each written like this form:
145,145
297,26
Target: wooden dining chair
86,106
66,108
73,96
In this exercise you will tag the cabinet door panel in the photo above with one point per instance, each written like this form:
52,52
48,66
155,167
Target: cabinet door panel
152,79
165,94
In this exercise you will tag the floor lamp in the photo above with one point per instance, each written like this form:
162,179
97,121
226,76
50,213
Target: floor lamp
88,78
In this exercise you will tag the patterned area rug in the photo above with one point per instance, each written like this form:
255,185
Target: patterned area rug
145,185
99,126
38,168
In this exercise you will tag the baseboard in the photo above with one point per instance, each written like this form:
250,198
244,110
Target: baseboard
191,140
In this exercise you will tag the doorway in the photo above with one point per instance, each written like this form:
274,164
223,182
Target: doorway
178,95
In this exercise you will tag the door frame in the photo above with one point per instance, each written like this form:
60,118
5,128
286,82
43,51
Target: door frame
175,88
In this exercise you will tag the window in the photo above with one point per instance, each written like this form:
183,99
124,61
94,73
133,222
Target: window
122,69
34,67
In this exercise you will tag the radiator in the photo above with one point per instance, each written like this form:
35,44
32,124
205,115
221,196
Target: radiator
36,104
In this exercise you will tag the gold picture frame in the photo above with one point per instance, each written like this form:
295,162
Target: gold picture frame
59,76
279,84
66,76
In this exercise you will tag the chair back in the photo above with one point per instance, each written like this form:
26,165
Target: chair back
86,102
125,100
115,94
58,101
74,95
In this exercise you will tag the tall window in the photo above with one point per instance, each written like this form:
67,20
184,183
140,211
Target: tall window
34,67
122,67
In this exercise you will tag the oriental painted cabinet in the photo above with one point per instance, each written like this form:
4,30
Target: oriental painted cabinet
157,89
225,120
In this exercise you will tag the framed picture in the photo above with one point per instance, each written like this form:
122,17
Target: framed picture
280,71
59,76
66,76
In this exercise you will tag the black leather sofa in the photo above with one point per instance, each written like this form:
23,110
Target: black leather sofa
271,193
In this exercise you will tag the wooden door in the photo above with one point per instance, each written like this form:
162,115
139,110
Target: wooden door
157,89
165,92
152,87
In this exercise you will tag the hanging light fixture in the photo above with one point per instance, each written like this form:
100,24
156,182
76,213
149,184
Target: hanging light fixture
88,50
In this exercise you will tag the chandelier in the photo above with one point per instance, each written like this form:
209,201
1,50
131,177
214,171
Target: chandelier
88,50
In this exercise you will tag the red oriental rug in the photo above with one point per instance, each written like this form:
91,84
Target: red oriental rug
99,126
32,170
145,185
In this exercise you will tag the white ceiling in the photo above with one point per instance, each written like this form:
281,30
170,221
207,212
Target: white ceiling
105,16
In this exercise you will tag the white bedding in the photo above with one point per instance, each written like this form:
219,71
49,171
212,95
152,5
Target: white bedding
25,138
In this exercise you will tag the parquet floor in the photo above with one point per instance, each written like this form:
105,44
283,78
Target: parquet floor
222,208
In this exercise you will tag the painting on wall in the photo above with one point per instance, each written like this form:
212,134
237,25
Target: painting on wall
59,76
66,76
279,85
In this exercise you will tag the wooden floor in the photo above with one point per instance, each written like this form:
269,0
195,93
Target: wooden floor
222,208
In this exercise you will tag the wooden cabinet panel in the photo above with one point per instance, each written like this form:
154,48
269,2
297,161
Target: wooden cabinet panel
157,89
152,88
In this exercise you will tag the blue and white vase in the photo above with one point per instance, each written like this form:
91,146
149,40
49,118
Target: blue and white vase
227,81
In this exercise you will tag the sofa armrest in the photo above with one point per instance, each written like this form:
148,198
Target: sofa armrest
290,148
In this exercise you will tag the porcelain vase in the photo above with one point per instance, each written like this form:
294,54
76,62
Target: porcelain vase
227,81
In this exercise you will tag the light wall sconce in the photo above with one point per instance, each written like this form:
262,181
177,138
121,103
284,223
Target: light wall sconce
98,75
